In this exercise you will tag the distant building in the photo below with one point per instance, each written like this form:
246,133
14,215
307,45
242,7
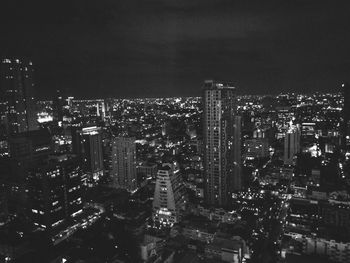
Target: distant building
123,166
197,145
54,191
256,148
346,114
58,104
258,133
336,214
285,115
227,250
4,188
169,195
17,102
27,151
109,103
87,143
149,170
101,109
222,149
291,144
107,155
235,182
333,250
217,214
308,129
196,228
30,148
330,177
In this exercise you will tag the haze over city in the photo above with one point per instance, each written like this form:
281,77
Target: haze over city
167,47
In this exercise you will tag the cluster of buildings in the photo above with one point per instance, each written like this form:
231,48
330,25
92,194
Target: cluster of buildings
221,178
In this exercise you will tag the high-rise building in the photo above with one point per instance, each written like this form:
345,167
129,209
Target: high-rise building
101,109
30,148
27,151
123,166
169,195
107,155
256,148
16,96
346,114
222,137
236,156
87,143
291,144
58,104
54,191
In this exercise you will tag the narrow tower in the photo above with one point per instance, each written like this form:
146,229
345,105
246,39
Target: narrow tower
222,152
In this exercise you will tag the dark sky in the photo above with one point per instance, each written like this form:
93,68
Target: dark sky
129,48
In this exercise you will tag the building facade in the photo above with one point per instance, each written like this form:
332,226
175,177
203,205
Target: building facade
55,192
169,195
123,166
87,143
256,148
222,139
291,144
17,102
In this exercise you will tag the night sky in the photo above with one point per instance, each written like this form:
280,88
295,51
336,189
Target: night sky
156,48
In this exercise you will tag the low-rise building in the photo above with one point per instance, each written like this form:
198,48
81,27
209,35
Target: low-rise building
228,250
335,251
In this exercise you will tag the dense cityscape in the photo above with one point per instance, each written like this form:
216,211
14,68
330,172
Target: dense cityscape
217,178
175,131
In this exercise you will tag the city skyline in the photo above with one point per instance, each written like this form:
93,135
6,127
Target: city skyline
169,47
174,131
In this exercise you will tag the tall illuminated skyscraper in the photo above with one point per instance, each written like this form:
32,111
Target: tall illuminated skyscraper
87,143
16,96
236,156
291,144
54,191
123,165
28,150
58,106
222,149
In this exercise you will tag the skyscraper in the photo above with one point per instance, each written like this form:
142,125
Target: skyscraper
58,106
87,143
221,128
54,190
16,96
123,166
109,102
101,109
291,144
28,150
169,195
236,180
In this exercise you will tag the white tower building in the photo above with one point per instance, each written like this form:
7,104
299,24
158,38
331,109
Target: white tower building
169,195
